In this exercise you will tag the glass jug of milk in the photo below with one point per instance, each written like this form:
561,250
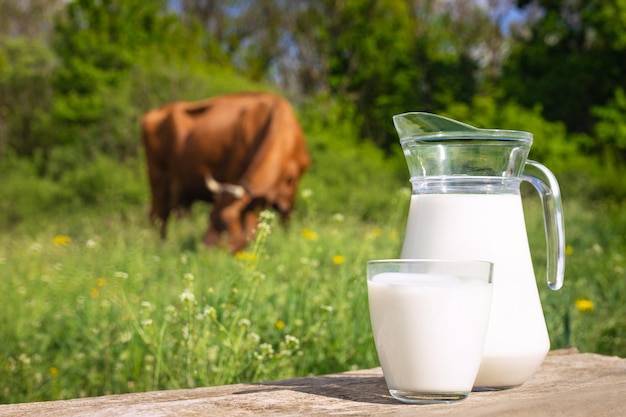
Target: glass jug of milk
466,204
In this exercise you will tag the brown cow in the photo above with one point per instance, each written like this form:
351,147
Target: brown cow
241,152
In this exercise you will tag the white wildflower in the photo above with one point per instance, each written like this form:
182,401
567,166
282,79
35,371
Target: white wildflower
209,312
327,308
338,217
187,297
267,216
292,341
254,337
35,247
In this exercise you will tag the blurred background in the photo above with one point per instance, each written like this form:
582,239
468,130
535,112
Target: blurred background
75,76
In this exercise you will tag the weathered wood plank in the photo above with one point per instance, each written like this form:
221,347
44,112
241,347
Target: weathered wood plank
568,384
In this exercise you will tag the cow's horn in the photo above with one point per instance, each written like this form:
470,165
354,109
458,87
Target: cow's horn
214,186
236,190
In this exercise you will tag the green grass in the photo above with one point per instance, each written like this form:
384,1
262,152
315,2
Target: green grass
589,312
93,303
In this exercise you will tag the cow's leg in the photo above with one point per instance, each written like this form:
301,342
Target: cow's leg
163,226
160,209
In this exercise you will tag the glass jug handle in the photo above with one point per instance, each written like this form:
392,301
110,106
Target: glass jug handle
546,184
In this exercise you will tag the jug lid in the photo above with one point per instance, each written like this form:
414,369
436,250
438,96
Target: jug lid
424,126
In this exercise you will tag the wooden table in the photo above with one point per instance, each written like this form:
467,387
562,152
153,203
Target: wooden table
567,384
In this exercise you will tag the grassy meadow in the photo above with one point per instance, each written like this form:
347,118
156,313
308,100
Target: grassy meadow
108,308
93,303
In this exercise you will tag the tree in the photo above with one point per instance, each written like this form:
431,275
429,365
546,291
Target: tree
98,44
26,63
610,130
29,19
377,57
569,60
26,66
392,56
250,35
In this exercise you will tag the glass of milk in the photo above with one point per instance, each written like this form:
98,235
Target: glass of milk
429,320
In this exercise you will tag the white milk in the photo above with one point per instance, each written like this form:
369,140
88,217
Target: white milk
488,227
429,330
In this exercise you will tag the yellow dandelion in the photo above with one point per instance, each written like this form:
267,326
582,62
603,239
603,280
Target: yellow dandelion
338,259
100,282
246,256
309,234
568,250
374,233
279,324
54,371
583,304
94,292
61,240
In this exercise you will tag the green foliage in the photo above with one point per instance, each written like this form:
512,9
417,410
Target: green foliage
551,146
27,200
610,130
578,174
86,97
348,173
116,59
158,81
100,45
379,65
110,35
106,182
24,194
26,66
569,60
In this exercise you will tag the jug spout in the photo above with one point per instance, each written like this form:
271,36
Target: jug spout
436,147
414,124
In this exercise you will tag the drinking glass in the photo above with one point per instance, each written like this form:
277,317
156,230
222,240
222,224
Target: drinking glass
429,320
